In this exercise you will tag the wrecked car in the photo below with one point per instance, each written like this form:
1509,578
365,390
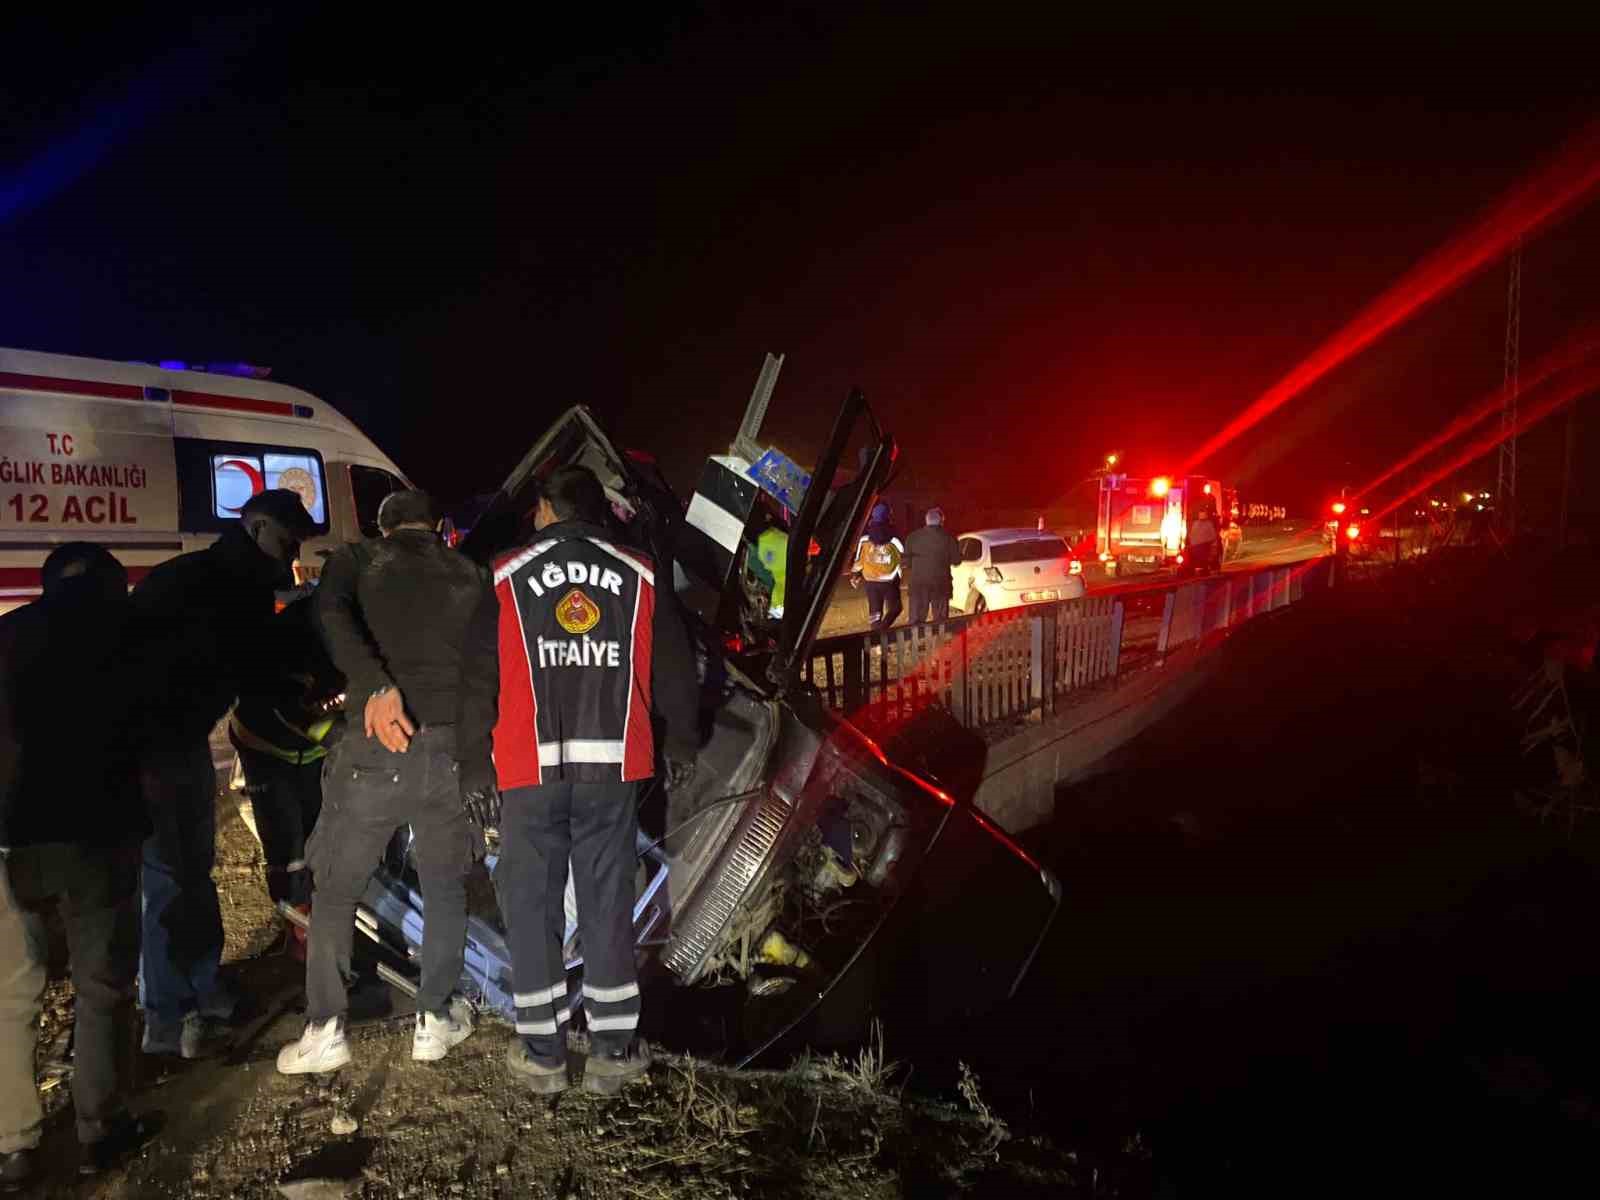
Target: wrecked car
809,878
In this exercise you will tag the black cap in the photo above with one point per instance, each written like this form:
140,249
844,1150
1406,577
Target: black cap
284,507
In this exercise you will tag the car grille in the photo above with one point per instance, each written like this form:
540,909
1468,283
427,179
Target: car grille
741,861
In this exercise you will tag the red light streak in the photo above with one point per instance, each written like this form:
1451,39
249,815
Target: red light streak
1553,190
1562,393
1574,351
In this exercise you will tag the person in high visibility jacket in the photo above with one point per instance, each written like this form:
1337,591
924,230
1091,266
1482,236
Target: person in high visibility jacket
283,727
769,563
880,556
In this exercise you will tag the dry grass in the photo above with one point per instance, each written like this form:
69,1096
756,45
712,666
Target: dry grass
870,1074
995,1130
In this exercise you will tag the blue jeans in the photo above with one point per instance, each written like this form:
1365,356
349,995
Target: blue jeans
181,915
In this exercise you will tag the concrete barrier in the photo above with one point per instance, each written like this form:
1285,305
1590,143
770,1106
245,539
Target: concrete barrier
1023,772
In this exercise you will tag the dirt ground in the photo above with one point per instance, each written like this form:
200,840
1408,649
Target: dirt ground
823,1128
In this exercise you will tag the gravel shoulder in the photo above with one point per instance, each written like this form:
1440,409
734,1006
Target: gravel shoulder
825,1127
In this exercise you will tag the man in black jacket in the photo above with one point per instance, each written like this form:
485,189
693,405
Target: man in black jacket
69,842
592,658
199,624
933,554
411,624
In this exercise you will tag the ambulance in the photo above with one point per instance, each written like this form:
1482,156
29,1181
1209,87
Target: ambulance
152,461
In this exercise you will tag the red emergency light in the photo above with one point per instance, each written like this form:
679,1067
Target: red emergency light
1160,485
1338,507
1352,532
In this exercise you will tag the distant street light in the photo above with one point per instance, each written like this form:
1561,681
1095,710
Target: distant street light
1111,460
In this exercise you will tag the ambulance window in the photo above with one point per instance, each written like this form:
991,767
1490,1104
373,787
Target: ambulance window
370,487
216,478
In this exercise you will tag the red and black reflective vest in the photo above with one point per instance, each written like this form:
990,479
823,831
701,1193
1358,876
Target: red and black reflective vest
577,641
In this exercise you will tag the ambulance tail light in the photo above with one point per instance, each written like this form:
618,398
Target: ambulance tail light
992,574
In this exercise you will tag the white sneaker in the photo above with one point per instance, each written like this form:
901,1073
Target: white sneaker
321,1048
437,1036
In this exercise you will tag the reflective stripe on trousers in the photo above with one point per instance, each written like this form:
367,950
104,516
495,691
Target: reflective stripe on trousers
542,829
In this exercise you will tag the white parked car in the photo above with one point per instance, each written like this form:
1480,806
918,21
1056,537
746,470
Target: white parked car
1006,568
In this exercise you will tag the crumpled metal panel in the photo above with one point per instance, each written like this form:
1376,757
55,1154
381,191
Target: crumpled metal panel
741,861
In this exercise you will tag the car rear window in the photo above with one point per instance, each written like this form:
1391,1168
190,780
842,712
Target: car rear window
1028,550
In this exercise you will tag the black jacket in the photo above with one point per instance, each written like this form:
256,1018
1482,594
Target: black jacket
594,655
409,611
933,553
68,770
199,631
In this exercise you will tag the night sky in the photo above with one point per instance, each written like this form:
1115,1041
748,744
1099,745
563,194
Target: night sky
1027,242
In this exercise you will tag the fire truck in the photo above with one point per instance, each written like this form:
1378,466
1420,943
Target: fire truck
1144,522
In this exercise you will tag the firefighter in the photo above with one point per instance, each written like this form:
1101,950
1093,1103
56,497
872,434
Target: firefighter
411,625
879,557
283,727
593,658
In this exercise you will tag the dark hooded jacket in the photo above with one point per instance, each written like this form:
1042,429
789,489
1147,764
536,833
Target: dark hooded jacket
67,765
199,632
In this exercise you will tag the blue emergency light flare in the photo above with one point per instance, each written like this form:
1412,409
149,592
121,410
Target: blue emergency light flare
162,86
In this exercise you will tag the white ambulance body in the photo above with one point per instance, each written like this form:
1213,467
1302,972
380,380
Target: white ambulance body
153,461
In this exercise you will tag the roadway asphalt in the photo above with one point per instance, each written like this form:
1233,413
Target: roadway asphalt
1276,545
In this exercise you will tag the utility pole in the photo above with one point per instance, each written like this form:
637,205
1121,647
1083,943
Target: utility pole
1566,467
1506,486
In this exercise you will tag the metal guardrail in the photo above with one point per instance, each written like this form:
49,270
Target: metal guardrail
999,666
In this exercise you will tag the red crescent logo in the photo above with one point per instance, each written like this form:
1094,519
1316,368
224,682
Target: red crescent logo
258,481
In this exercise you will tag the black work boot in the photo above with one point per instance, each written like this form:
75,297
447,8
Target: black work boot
127,1137
16,1169
542,1078
608,1074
